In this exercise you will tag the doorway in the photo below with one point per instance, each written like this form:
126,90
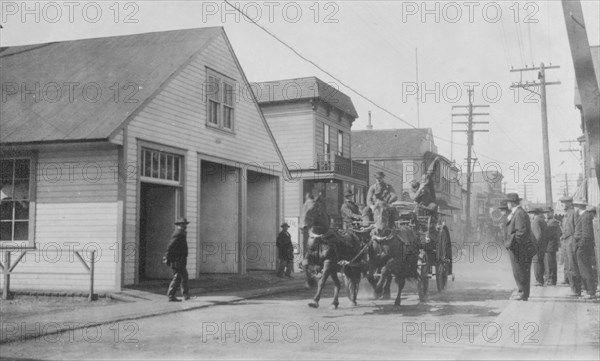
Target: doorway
159,206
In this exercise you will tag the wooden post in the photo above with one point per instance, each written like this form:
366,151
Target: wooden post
92,261
6,276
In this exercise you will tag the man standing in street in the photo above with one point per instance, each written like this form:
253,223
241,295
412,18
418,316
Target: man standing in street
521,248
553,235
176,258
349,210
568,229
584,247
538,232
285,251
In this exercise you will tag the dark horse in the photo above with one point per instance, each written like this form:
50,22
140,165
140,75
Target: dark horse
334,251
394,250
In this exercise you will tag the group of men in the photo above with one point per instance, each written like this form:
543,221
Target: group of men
536,240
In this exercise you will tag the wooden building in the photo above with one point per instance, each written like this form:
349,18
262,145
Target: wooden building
311,121
106,142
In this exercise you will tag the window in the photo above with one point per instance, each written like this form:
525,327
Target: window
340,145
161,165
220,102
15,198
326,148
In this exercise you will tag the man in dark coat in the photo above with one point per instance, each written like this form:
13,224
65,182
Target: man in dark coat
350,211
584,247
568,230
553,235
521,248
176,258
381,191
538,235
285,251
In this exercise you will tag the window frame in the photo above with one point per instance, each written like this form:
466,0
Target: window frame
326,139
29,243
340,145
224,100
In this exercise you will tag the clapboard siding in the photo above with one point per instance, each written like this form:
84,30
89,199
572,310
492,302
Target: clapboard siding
176,117
77,175
61,227
293,129
334,126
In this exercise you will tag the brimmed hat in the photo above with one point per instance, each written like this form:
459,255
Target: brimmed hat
182,221
536,210
379,175
513,197
348,193
284,225
579,202
566,199
503,205
591,209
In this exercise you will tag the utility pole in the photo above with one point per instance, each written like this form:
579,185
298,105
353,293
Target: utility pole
542,84
566,185
470,131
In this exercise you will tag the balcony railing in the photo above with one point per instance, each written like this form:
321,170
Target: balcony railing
342,166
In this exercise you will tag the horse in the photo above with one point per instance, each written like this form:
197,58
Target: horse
334,251
394,250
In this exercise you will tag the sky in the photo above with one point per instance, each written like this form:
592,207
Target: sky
368,50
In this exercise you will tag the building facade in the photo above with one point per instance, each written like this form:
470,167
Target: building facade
174,135
311,122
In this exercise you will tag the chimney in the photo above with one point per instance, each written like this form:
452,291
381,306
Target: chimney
370,126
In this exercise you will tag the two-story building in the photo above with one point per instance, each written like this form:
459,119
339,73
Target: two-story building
106,142
409,152
311,122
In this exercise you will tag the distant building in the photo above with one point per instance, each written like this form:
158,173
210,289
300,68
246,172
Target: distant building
409,152
486,194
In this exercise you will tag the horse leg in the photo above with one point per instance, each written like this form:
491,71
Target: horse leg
354,278
400,281
320,286
336,284
387,287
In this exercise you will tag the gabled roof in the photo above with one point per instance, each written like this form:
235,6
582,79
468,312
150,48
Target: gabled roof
391,143
303,89
138,64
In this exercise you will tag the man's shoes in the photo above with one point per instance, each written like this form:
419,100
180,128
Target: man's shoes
575,294
186,298
588,297
279,275
289,276
538,284
173,299
518,297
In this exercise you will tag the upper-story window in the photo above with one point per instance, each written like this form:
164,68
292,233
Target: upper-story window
340,143
15,198
326,146
220,101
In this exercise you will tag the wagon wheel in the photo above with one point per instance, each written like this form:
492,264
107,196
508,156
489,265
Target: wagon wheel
441,276
444,262
423,280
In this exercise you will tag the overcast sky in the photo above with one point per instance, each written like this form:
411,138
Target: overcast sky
369,46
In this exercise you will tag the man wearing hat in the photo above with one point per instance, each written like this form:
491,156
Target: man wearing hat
380,191
503,208
285,251
539,237
553,235
176,258
350,211
520,246
568,229
584,247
